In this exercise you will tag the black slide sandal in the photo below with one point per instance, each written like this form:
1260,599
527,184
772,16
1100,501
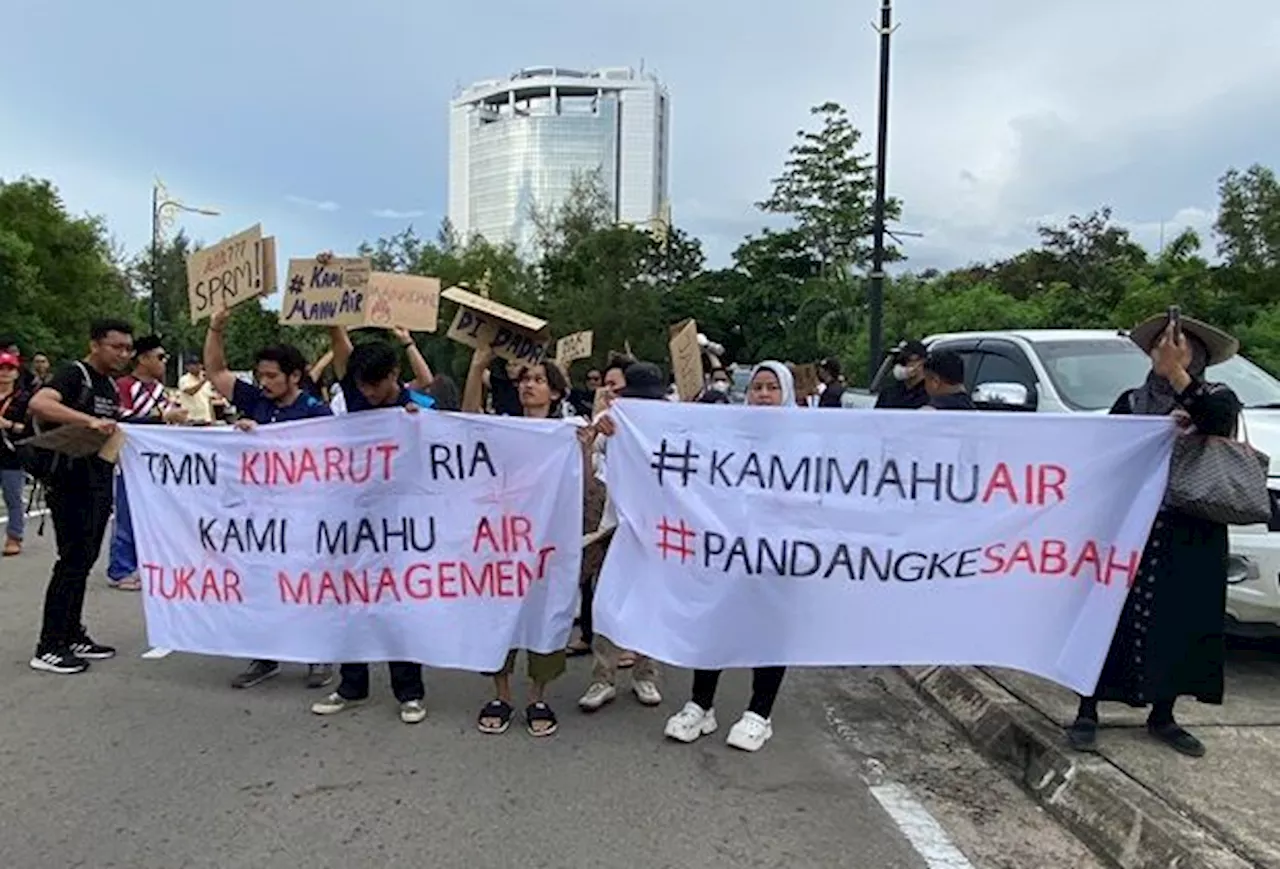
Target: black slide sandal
536,712
498,709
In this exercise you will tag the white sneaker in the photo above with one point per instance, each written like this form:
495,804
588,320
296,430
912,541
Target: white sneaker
750,733
333,704
597,695
690,723
647,692
413,712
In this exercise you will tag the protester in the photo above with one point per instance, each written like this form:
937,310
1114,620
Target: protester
78,493
771,385
1169,641
422,374
583,400
26,379
542,389
13,428
944,382
717,391
445,392
278,397
370,378
196,394
907,391
643,381
40,370
831,383
142,400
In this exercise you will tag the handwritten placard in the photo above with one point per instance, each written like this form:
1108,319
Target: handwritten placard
226,274
409,301
269,279
573,347
686,359
513,335
332,293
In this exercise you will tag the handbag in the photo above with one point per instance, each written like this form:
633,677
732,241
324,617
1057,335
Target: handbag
1220,479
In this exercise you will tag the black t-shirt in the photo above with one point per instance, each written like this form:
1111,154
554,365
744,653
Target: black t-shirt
899,396
832,395
83,388
953,401
356,401
13,407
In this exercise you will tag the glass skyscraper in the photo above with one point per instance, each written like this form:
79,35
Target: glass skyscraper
517,144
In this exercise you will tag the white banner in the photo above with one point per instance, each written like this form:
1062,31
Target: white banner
754,536
378,536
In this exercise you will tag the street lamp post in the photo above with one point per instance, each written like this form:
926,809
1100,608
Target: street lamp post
158,206
876,289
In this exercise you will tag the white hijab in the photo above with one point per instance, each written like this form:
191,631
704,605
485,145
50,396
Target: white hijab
785,380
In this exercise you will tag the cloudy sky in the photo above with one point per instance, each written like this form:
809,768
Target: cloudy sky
327,120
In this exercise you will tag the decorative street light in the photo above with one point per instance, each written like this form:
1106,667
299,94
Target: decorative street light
161,205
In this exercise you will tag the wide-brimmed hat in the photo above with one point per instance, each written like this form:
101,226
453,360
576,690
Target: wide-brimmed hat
1219,344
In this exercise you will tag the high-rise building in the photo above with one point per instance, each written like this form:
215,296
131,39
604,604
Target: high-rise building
517,144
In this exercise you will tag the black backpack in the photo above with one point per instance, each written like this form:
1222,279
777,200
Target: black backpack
41,463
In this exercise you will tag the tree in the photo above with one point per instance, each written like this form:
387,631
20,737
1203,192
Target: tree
59,271
1248,223
827,188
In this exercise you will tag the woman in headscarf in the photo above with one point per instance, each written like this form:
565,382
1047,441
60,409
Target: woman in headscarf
1169,642
771,385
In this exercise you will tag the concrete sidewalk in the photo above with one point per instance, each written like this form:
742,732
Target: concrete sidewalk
1137,802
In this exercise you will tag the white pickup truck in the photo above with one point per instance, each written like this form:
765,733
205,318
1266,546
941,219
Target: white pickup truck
1085,371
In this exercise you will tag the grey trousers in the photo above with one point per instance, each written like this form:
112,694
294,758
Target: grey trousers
606,655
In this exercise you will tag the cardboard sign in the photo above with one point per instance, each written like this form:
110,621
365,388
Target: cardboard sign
330,294
74,441
686,359
269,265
513,335
806,377
227,274
600,404
409,301
573,347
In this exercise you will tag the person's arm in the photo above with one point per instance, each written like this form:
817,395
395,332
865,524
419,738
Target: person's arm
195,384
47,405
473,391
422,375
215,357
341,347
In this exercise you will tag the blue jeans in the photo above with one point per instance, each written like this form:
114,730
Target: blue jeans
13,482
124,554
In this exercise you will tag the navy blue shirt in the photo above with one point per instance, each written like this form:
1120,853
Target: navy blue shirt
356,401
254,404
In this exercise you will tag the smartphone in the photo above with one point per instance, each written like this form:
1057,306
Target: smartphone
1175,318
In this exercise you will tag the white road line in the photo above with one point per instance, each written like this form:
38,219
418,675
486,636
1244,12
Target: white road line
923,832
34,514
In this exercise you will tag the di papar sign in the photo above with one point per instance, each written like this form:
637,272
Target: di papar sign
513,335
230,272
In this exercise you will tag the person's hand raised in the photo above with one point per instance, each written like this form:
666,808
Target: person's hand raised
1171,355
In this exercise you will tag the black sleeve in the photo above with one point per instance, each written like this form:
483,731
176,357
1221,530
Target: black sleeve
1123,405
69,382
831,397
1214,409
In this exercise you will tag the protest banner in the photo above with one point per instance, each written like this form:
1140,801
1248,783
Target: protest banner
761,536
332,293
440,538
228,273
409,301
513,335
573,347
686,359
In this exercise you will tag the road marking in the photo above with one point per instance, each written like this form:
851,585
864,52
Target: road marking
34,514
923,832
156,653
918,827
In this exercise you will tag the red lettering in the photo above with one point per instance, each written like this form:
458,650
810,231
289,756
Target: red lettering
209,587
231,586
387,582
520,530
502,579
301,593
524,578
248,468
327,585
1053,478
182,589
1001,481
445,577
544,555
484,531
1053,557
1128,568
424,584
476,584
280,469
307,465
333,464
1021,554
995,558
155,573
388,454
355,587
1088,555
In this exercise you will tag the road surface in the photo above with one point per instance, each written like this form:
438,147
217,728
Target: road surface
158,763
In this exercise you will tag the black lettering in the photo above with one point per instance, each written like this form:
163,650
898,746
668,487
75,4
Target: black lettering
910,566
861,471
841,559
882,571
335,542
708,550
890,476
815,558
751,468
717,467
917,480
206,527
778,471
739,550
972,495
480,456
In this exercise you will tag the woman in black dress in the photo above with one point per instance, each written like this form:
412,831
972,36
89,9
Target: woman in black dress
1169,642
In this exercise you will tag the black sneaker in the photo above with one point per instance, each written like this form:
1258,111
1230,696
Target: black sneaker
257,673
89,650
61,662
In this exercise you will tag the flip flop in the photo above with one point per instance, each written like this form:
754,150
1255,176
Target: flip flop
127,585
498,709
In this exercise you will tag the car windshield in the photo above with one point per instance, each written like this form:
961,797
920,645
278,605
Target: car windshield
1091,374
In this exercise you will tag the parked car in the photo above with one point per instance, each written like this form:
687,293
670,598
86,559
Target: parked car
1085,371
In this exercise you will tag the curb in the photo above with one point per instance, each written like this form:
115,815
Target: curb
1119,818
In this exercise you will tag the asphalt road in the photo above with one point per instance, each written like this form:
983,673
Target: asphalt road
141,763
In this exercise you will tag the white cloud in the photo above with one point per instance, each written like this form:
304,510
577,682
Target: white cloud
393,214
317,204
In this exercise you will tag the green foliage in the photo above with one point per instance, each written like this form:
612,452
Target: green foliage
795,291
